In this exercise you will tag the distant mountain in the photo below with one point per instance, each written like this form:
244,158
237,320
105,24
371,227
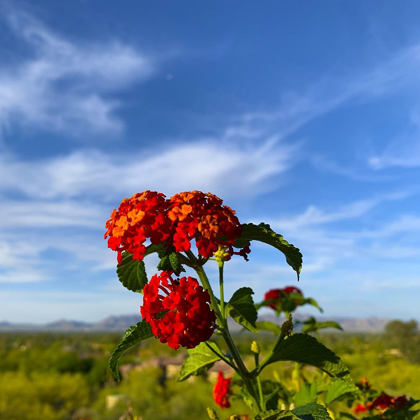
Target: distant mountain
122,322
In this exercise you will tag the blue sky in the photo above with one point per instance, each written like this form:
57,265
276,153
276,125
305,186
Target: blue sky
305,115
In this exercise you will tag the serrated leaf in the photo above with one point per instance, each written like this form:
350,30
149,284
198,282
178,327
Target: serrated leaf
164,264
134,335
132,273
175,262
276,415
199,360
264,233
307,394
339,388
241,308
303,348
312,411
269,326
158,248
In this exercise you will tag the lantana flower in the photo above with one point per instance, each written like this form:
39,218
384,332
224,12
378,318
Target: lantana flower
176,222
141,217
178,310
277,295
200,216
222,391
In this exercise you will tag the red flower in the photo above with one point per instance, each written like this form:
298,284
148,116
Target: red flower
185,217
382,402
360,409
200,216
188,319
221,391
276,295
142,216
399,403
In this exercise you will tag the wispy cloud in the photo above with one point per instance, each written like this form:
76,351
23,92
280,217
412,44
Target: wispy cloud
65,84
230,170
315,216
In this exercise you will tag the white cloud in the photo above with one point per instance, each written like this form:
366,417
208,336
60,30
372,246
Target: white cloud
315,216
65,85
229,170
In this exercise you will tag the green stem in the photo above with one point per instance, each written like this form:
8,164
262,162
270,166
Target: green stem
222,296
221,356
223,327
266,360
256,357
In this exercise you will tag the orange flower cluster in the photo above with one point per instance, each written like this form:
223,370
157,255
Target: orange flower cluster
177,221
141,217
202,216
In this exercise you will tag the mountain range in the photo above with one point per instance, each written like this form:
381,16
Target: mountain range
122,322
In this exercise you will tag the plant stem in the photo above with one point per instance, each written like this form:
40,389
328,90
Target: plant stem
222,296
242,370
221,356
266,360
256,357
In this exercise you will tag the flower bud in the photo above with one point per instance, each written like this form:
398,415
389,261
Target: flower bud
287,326
255,348
212,414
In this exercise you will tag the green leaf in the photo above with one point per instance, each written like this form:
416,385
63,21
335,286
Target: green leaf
307,394
311,325
273,392
303,348
241,308
132,273
312,411
276,415
312,302
199,360
264,233
164,264
339,388
134,335
177,268
269,326
158,248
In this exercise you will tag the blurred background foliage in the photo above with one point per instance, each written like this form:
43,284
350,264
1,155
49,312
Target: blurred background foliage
65,376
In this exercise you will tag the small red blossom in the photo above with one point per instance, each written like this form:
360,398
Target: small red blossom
399,403
360,408
364,385
222,391
200,216
141,217
382,402
276,295
187,318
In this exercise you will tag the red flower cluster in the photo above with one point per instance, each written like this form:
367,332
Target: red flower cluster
142,216
221,391
182,316
177,221
276,295
202,216
383,402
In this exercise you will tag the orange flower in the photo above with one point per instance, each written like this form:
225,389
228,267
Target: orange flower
141,217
